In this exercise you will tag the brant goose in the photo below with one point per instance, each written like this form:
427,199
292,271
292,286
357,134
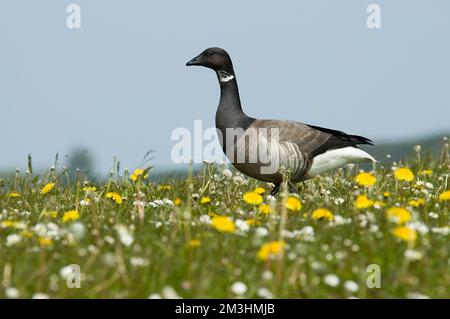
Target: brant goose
263,148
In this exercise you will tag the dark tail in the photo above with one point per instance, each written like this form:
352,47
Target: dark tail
360,140
352,139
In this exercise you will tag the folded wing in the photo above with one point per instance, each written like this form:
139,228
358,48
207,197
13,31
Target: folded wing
311,140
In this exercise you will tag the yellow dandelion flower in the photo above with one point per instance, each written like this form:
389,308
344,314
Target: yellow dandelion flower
205,200
259,190
252,222
194,243
293,204
265,209
271,249
398,215
115,197
252,198
47,188
405,233
177,201
417,203
404,174
445,196
365,179
223,224
426,172
90,189
322,213
71,215
7,223
387,194
14,194
137,174
45,241
363,202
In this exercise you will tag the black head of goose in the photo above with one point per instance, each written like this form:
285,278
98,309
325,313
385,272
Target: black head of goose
229,113
263,148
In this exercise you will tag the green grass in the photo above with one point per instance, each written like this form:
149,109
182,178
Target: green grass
160,259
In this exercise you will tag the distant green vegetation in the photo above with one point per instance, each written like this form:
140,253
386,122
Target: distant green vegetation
401,149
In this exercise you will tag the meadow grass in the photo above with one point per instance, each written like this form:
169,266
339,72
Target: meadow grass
133,238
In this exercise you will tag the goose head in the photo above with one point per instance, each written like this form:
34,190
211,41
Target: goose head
216,59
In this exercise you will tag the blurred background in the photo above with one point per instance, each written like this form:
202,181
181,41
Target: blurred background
118,86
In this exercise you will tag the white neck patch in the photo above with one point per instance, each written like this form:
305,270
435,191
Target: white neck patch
224,76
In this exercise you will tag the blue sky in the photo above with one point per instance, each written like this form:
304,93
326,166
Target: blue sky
119,85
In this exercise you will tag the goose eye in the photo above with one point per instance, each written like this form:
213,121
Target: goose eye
209,53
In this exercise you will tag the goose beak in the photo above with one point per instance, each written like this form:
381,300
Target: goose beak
194,61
